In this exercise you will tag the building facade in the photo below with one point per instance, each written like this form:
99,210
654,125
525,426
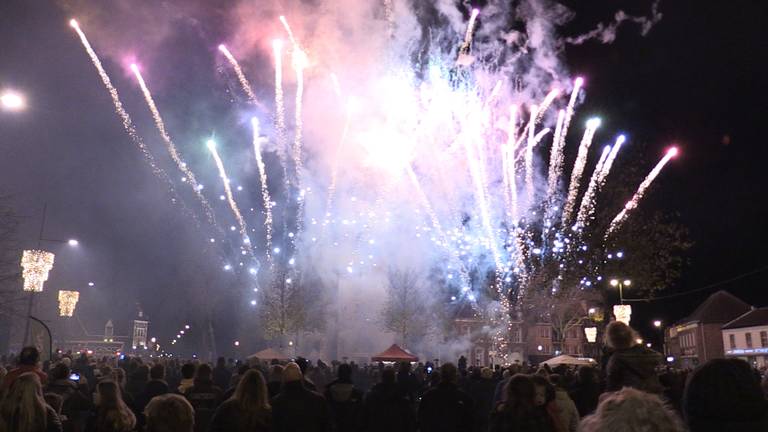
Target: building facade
698,338
746,337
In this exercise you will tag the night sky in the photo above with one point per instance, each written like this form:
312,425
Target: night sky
696,79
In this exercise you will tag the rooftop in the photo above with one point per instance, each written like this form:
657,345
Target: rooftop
719,308
753,318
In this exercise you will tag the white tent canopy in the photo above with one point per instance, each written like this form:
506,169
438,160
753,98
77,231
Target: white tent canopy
570,360
268,355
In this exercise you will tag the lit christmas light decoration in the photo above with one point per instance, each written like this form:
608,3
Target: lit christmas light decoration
623,313
36,264
67,302
591,334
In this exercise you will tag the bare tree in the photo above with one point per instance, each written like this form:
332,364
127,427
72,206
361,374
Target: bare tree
292,306
405,311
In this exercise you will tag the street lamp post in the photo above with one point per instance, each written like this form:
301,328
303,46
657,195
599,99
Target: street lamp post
621,284
40,240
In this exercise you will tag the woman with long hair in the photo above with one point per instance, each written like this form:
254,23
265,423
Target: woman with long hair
519,412
248,409
112,414
24,409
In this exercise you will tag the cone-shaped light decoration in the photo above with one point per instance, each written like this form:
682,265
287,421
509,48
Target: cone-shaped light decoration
67,302
35,264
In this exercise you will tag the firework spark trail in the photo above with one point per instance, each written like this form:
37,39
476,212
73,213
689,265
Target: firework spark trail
587,207
529,186
546,103
288,30
618,221
241,76
609,162
508,165
172,150
578,169
556,157
470,29
299,63
127,123
264,188
557,173
230,197
277,47
482,201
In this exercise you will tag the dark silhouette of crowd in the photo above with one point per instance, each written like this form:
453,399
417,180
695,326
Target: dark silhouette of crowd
632,392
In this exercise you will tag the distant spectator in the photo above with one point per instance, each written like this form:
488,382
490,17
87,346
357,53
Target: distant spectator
204,397
24,409
169,413
631,364
298,409
137,382
567,413
304,366
586,391
480,388
275,380
112,414
385,409
632,410
724,395
445,408
187,377
519,411
345,400
156,385
221,374
248,410
29,359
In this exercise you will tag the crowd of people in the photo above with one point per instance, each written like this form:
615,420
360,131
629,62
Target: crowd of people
630,392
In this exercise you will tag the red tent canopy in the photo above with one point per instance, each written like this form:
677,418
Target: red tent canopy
394,354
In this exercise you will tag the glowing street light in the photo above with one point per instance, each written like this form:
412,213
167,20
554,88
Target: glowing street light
237,343
657,323
73,242
12,101
621,284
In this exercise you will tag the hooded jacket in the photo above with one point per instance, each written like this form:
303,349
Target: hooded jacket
634,367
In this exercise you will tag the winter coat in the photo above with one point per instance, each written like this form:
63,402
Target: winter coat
634,367
345,402
297,409
230,418
445,408
204,398
481,391
585,395
11,376
222,377
566,411
53,423
385,410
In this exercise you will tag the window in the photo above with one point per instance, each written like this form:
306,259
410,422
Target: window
517,336
764,339
732,340
544,332
749,339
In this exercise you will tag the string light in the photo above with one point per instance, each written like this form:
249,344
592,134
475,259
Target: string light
36,264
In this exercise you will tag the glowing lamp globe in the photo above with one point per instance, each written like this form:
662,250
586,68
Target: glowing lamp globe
623,313
12,101
35,266
67,302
